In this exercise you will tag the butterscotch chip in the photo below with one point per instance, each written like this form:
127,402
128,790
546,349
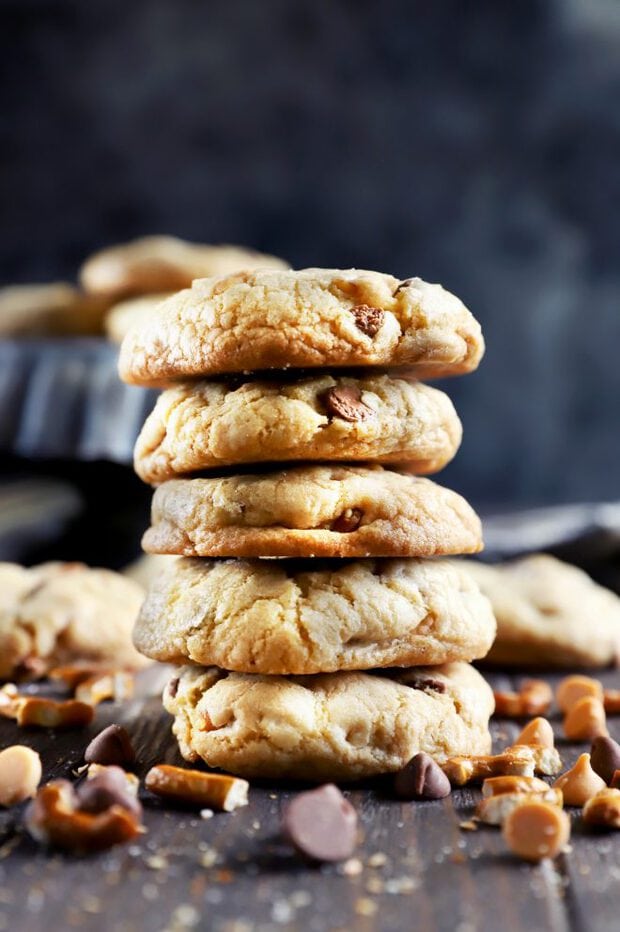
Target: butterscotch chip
201,789
536,830
277,617
573,688
585,720
328,417
611,701
549,614
164,263
537,732
314,318
20,774
580,783
291,513
603,809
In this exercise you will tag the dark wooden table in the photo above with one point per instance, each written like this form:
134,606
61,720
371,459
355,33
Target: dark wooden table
416,868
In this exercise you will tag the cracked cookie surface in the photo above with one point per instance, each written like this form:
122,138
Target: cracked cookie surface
549,613
206,425
279,617
58,613
312,318
334,726
329,511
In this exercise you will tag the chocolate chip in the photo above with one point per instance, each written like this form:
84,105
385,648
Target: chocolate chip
346,403
348,521
615,780
605,757
111,746
173,687
368,319
404,284
421,778
321,824
108,788
436,686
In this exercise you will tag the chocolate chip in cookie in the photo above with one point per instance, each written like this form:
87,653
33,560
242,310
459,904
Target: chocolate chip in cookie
348,521
346,402
368,319
428,683
404,284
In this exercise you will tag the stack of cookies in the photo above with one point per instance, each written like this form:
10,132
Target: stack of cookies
318,636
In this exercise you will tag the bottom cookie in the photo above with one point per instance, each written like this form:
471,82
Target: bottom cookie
335,726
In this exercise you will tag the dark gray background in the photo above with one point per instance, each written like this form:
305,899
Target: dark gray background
476,144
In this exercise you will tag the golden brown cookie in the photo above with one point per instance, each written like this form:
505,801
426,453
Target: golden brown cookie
305,511
289,616
206,425
549,613
124,315
165,263
334,726
57,309
313,318
62,612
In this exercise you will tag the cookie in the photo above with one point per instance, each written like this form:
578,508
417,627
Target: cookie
62,612
206,425
289,616
165,263
314,318
332,726
57,309
549,613
122,316
305,511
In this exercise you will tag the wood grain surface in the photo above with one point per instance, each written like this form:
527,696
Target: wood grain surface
416,867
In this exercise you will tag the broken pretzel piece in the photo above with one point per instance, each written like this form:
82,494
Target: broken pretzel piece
603,809
547,761
44,713
533,698
517,761
54,818
503,794
115,685
217,791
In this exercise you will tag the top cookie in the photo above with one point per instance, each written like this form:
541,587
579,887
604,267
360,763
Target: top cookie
165,263
549,613
263,320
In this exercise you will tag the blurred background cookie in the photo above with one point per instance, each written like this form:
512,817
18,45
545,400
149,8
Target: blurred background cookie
156,264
